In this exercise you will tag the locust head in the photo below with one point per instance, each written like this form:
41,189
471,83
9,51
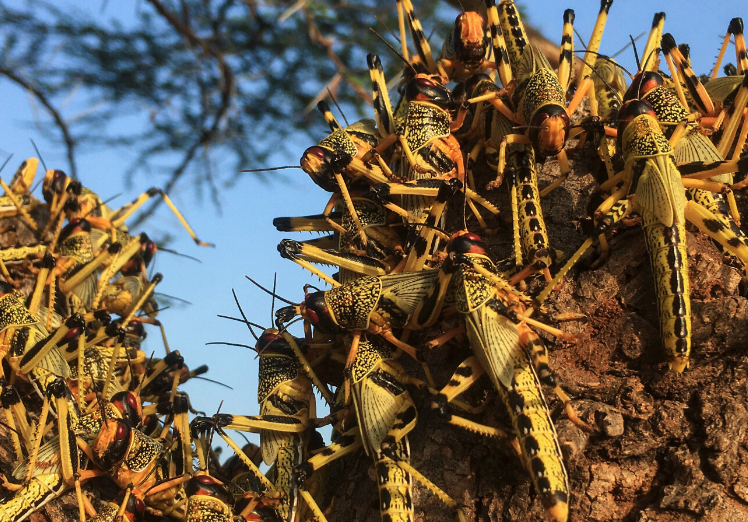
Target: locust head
469,39
549,129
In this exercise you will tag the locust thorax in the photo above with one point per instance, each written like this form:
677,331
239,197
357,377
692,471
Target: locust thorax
470,39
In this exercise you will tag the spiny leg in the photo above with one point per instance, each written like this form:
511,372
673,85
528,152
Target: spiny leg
121,215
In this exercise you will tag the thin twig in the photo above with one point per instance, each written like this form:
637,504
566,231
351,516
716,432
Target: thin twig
69,141
227,91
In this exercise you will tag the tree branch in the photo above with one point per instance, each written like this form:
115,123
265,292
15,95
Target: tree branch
227,89
69,142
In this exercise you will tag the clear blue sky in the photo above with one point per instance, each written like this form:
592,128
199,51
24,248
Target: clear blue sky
245,238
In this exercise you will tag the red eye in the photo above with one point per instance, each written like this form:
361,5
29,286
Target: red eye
122,431
423,82
312,316
139,506
73,333
472,236
132,400
205,479
315,151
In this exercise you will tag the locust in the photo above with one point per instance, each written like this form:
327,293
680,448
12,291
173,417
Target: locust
536,96
466,51
287,412
385,414
495,318
653,187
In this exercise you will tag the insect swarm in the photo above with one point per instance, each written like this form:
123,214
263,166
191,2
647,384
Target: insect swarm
662,440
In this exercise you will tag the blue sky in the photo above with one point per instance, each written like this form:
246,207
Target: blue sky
244,236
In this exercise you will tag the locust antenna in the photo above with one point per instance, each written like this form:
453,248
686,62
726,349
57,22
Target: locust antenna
332,97
636,53
185,301
6,162
230,318
236,300
275,280
270,169
179,254
607,59
213,381
39,154
388,29
433,29
581,40
612,89
225,343
628,44
258,285
406,62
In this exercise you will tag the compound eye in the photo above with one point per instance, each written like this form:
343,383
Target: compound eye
316,151
472,236
122,431
132,400
312,315
423,82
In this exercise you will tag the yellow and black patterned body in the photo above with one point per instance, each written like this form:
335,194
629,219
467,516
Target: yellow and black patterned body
333,153
22,335
660,197
495,341
352,304
650,86
541,101
284,392
433,152
425,126
383,240
391,298
514,33
128,455
384,410
693,147
537,437
531,241
133,511
76,250
29,499
523,187
207,500
538,88
608,100
493,337
668,256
